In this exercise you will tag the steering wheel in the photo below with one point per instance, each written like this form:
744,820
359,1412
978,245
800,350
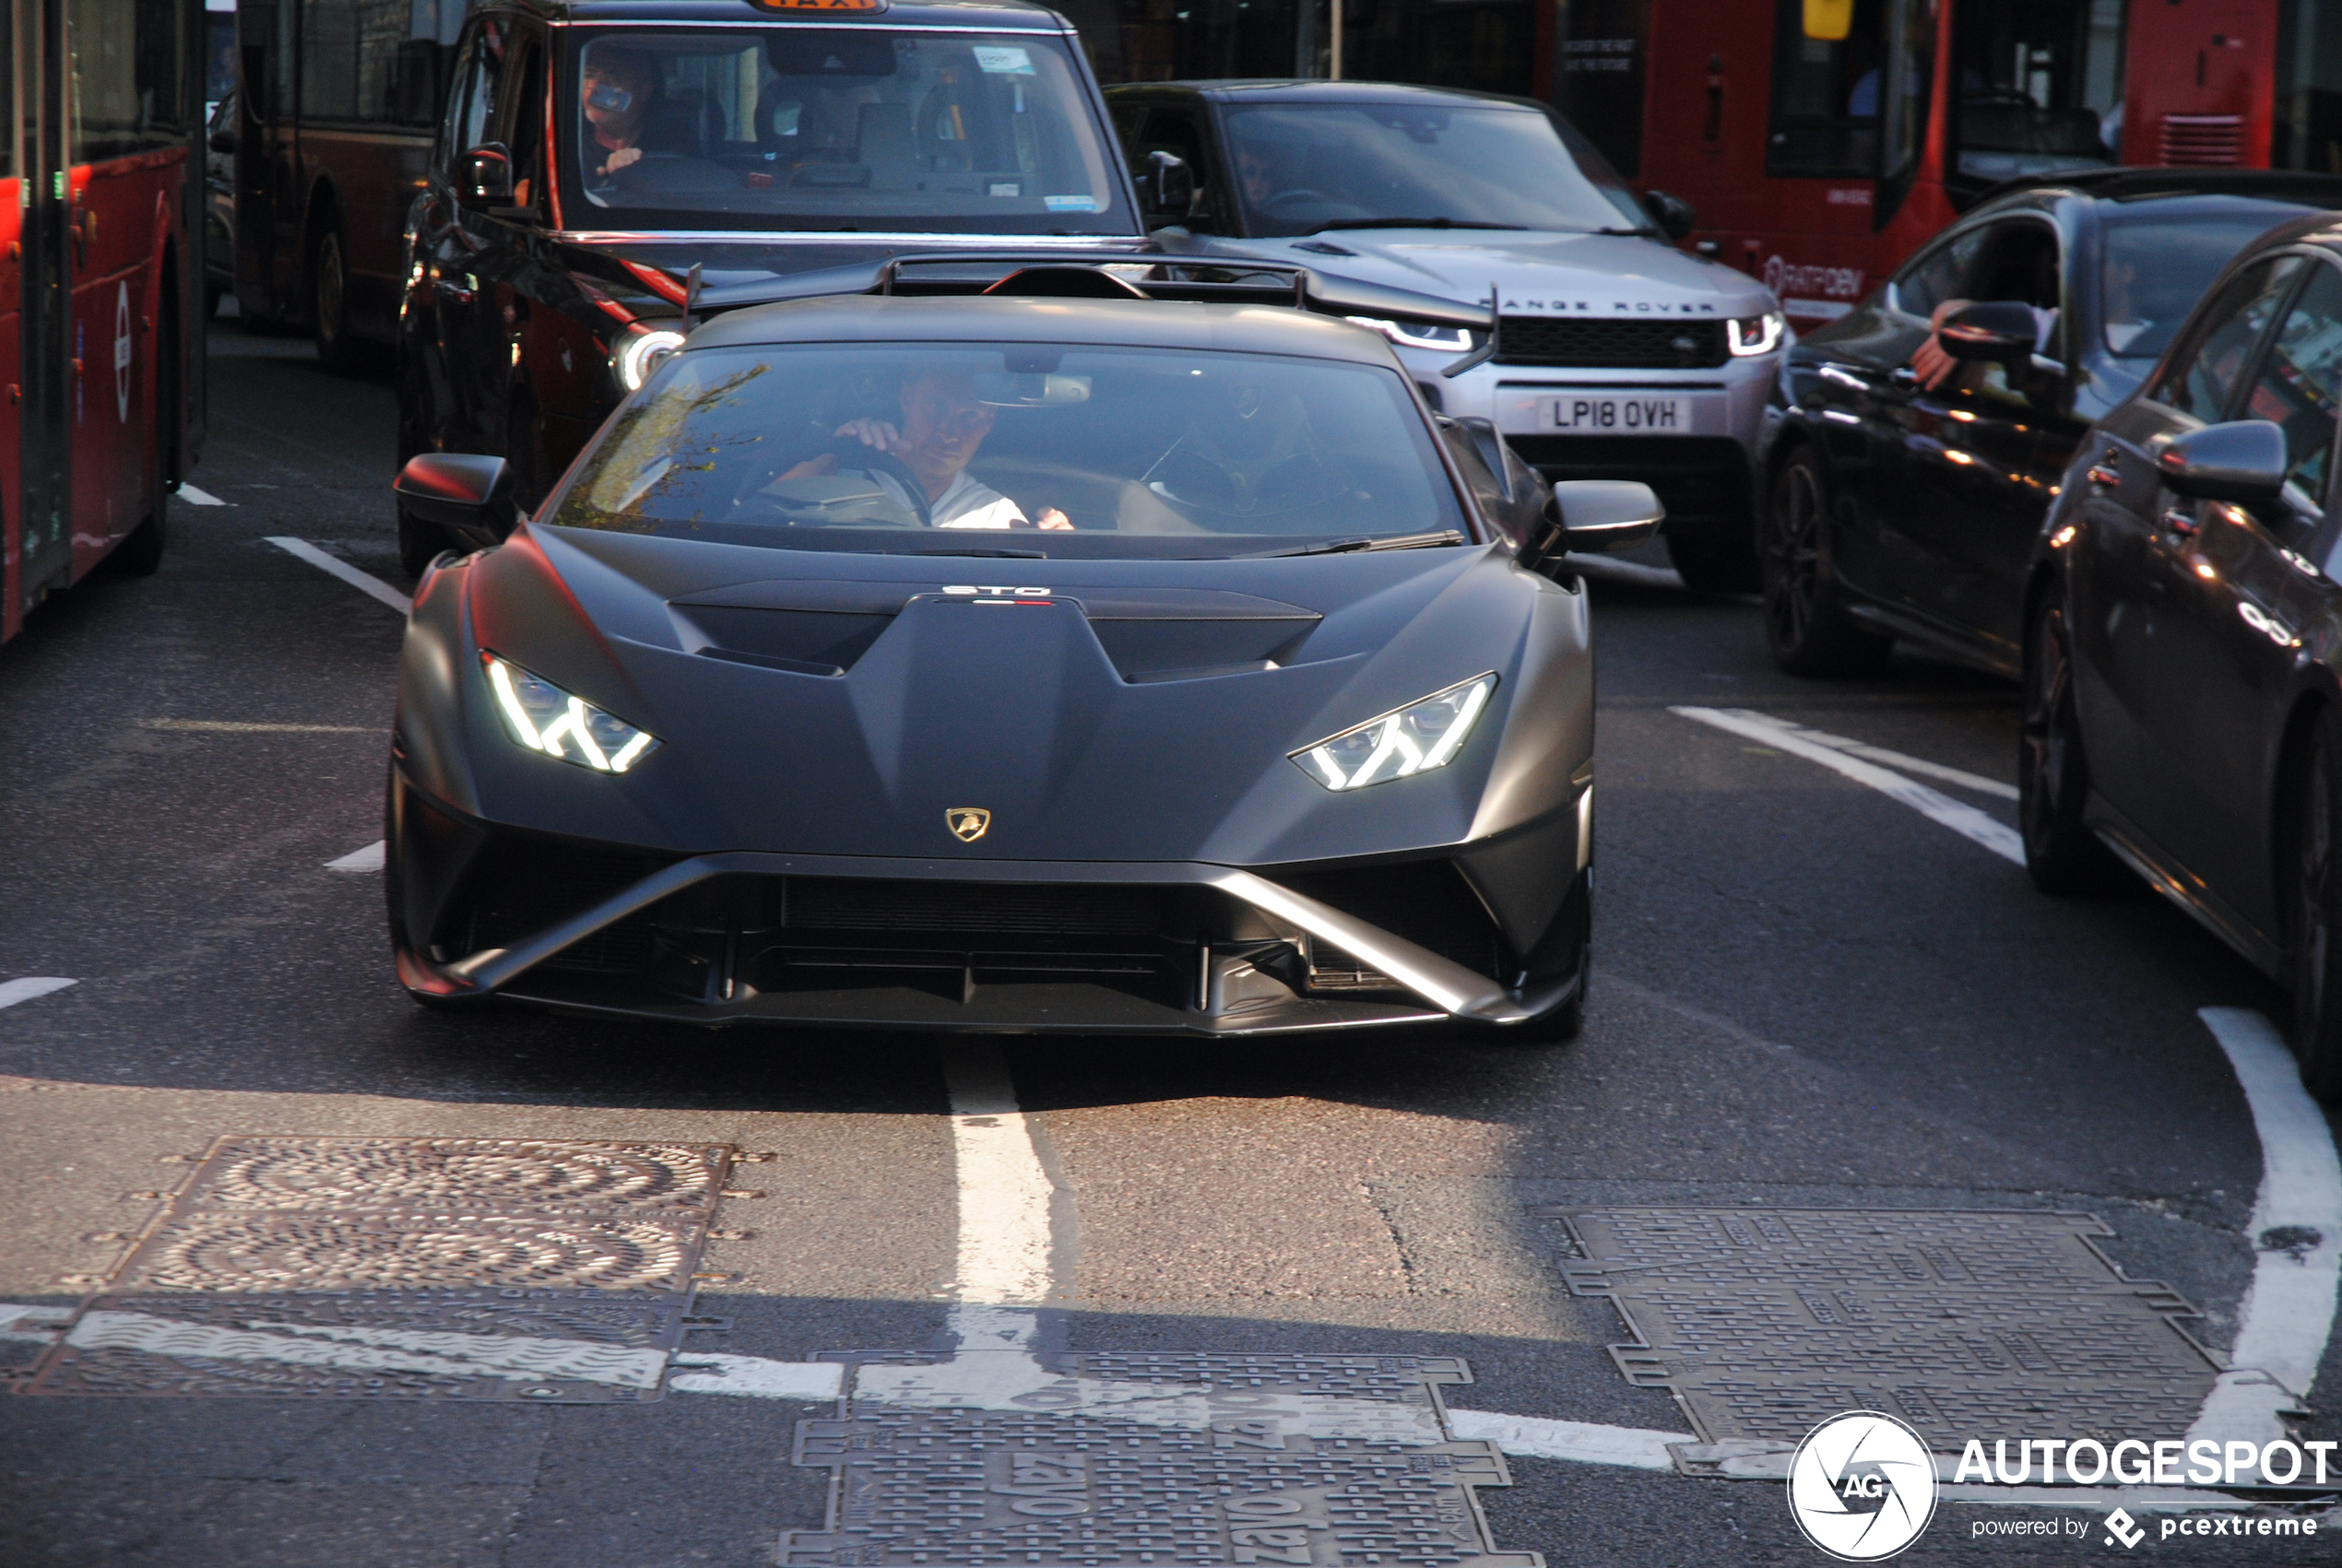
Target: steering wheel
851,452
1295,198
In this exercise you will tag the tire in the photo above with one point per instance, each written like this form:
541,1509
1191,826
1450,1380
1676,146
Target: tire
2062,856
419,543
525,450
1805,620
2313,892
141,553
329,304
1720,562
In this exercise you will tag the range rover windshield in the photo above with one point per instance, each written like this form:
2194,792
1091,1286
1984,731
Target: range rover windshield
1012,450
835,128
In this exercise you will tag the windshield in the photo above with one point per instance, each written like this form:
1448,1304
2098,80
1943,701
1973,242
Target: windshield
1302,168
1011,449
2159,265
835,128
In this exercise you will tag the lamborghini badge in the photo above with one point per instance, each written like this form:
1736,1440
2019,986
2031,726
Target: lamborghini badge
967,822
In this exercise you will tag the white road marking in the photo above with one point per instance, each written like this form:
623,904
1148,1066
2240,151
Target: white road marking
756,1378
195,497
1004,1196
372,587
1536,1438
1919,765
1964,819
240,726
516,1357
14,991
367,859
2287,1315
31,1324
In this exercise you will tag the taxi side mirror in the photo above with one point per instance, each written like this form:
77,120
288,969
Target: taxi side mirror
2244,461
1167,186
484,176
468,492
1591,517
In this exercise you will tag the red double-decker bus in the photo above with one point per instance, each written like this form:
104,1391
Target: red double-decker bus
1821,141
99,286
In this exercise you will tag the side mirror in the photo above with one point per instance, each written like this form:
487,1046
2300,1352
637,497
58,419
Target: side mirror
484,176
1998,332
465,491
1167,187
1591,516
222,141
1674,215
2243,462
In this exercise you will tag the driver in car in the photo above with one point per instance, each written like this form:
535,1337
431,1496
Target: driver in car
943,425
617,85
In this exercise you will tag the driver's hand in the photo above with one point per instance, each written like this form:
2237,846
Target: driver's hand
875,432
622,158
1052,518
1929,361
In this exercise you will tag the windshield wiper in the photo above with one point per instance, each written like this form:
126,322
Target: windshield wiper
1415,223
1645,233
1364,542
994,555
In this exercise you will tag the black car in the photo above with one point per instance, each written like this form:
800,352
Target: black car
599,156
1893,512
2182,651
1076,655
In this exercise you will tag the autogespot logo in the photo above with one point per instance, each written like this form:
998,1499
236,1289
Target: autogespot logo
1862,1486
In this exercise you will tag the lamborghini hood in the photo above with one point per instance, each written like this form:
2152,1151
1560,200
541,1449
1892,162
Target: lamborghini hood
824,703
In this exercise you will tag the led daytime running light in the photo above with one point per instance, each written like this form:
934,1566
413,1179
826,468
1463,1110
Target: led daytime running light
1417,334
640,353
1402,743
543,717
1751,336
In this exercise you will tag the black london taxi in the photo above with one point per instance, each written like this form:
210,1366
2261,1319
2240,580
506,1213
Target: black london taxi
608,172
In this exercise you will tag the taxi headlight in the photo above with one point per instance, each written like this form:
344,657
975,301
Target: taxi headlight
1417,334
1413,739
1756,334
639,353
544,718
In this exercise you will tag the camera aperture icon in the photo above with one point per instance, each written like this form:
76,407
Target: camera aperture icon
1862,1486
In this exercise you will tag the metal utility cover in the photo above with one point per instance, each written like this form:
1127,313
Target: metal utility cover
1996,1324
1059,1460
469,1269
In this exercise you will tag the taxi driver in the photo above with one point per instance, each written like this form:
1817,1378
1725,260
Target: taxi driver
943,425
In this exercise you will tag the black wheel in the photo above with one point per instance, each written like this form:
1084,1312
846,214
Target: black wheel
2052,777
525,450
2313,909
212,295
1805,620
329,283
141,553
419,543
1718,562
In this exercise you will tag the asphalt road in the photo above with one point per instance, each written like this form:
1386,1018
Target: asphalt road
1807,995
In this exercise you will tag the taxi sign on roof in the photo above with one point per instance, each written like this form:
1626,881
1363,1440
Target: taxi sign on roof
820,4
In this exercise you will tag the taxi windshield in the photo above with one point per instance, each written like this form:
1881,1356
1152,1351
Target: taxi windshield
1303,167
1016,449
835,128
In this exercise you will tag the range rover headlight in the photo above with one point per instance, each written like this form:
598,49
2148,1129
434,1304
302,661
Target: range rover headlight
544,718
1418,333
1751,336
1405,742
639,353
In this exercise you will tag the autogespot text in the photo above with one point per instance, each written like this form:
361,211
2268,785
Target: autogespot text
2131,1462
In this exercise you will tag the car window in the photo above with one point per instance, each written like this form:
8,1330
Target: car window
471,102
1153,451
2223,338
2299,385
859,128
2157,265
1938,276
524,96
1178,134
2018,260
1301,168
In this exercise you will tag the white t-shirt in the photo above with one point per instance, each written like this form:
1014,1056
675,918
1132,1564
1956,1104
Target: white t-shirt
964,503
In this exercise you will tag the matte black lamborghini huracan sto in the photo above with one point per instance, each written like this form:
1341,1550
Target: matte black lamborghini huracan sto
1079,655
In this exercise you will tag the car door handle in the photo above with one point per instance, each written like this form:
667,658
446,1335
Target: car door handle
2179,523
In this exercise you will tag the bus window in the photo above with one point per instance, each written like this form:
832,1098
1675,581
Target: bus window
127,97
1601,76
1826,95
2040,89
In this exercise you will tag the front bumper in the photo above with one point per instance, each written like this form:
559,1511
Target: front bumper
1147,947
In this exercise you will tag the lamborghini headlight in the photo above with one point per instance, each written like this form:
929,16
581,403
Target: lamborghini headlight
1417,334
1756,334
1413,739
639,353
543,717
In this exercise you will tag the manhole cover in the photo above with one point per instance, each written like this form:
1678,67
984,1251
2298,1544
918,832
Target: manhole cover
1986,1324
475,1268
1056,1460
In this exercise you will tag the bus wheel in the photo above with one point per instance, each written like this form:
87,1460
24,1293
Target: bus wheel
331,307
141,553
